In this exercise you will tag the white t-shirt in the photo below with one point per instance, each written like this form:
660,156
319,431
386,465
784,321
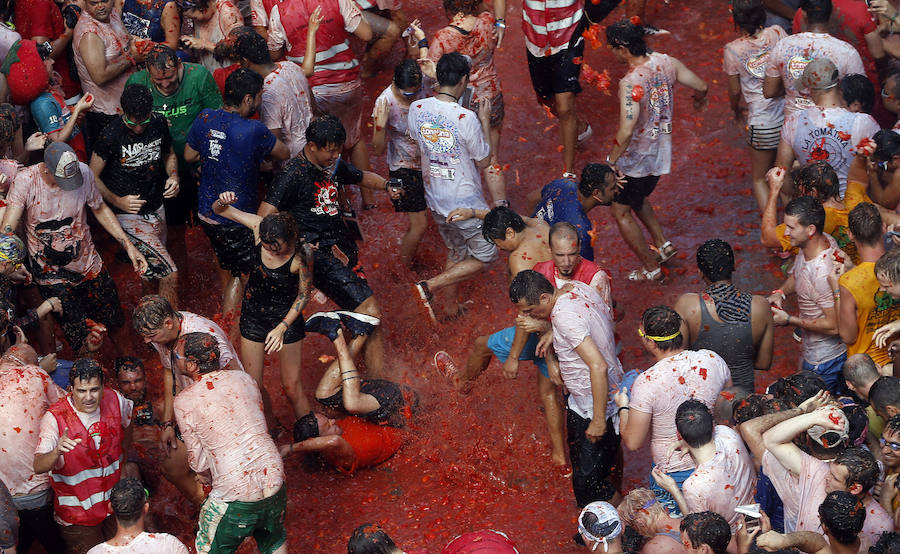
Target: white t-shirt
450,139
402,149
747,57
651,85
813,295
579,314
145,543
285,104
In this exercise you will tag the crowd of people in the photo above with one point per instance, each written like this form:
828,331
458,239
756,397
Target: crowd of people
246,120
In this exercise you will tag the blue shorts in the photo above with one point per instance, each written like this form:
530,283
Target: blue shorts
501,341
831,372
664,497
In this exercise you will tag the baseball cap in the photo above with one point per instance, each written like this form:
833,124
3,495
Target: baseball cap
607,526
63,164
820,74
830,438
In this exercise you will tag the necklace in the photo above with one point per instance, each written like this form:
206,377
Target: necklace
455,98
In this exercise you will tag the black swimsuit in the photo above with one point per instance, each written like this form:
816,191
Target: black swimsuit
268,298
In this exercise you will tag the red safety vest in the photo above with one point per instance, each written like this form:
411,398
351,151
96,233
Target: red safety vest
584,272
335,61
548,24
83,484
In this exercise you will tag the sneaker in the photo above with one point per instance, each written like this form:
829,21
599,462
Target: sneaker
358,324
797,335
651,30
325,323
425,299
585,135
445,365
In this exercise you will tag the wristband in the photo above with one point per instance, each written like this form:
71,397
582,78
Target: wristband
500,23
164,424
423,43
286,326
623,408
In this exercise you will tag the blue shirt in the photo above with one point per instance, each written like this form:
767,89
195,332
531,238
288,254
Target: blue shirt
560,202
231,149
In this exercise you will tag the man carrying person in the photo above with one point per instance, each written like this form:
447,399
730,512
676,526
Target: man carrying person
734,324
129,504
454,146
309,188
82,442
822,350
62,258
135,168
582,339
642,147
221,418
230,147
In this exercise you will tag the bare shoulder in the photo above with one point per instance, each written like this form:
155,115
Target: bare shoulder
662,544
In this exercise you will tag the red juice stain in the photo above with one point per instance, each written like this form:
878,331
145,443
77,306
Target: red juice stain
680,380
210,385
834,419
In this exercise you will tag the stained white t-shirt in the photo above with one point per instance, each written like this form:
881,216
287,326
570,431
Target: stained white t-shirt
145,543
747,57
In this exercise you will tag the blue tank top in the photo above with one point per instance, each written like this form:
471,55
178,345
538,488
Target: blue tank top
560,202
143,18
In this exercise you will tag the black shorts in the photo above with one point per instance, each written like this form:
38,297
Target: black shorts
636,190
592,462
96,299
233,245
388,394
346,285
556,74
255,324
413,198
182,210
498,110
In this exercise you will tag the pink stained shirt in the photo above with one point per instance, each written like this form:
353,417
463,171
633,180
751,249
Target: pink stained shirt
214,29
145,543
659,390
402,150
789,57
813,296
285,104
115,40
224,429
577,315
746,57
725,481
26,392
62,249
479,44
787,485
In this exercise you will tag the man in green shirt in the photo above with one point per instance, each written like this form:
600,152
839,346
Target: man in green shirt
180,92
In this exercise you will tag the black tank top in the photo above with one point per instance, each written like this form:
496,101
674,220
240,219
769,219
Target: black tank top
271,291
732,341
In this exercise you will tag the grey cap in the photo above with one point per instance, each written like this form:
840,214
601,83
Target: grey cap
820,74
63,165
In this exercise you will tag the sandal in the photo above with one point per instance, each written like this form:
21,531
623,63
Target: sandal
644,275
665,252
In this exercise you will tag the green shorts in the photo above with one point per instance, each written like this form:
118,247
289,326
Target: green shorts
225,525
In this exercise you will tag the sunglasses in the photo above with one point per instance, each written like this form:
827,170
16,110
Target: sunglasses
892,445
131,123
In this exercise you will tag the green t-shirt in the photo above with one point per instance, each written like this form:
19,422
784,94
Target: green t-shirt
197,92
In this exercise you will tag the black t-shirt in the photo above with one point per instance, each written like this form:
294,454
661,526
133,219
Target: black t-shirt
135,164
310,194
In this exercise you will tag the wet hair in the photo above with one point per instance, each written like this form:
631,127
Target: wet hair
627,34
467,7
885,392
306,427
278,226
8,111
407,74
889,265
892,425
594,177
887,543
127,499
136,101
865,223
451,68
498,220
85,369
694,423
707,528
239,84
150,314
640,509
858,421
817,179
755,549
203,350
858,88
887,145
162,57
893,77
370,538
7,132
861,467
325,131
749,15
817,11
796,388
808,211
662,321
565,229
251,45
757,405
860,370
128,363
529,285
715,259
843,516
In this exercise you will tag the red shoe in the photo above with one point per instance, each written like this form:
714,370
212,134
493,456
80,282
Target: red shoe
445,365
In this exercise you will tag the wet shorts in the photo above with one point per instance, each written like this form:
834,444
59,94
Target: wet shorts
147,232
464,239
345,102
413,197
346,286
388,394
764,138
501,341
233,245
498,110
592,462
95,299
636,190
255,325
225,525
556,74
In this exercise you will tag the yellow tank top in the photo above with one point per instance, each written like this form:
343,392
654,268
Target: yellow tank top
874,308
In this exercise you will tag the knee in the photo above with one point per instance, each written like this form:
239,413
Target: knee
369,307
417,224
565,106
481,345
392,32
